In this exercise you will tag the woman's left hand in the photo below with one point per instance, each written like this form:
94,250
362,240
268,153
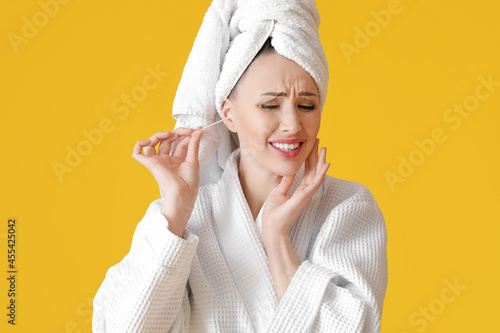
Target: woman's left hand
281,212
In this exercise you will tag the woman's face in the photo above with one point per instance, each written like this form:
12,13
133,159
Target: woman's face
276,101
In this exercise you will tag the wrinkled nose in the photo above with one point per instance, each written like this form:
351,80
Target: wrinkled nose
290,120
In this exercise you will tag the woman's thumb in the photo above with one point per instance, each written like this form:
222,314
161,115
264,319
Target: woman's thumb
284,185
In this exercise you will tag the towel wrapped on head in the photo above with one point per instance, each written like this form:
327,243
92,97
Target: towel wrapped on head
232,33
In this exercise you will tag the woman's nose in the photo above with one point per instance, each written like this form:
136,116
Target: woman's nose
290,120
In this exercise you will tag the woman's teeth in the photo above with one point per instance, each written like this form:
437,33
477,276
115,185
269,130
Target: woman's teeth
286,146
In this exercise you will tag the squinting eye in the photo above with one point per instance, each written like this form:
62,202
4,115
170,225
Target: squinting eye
264,106
307,107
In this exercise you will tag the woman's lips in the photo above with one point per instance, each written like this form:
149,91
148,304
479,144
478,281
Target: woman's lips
289,141
288,154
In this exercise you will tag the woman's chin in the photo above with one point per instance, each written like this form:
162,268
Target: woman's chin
288,170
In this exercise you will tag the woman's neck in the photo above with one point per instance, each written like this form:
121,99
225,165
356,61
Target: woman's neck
256,183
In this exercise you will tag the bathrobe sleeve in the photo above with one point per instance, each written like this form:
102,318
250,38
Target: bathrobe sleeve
146,291
341,286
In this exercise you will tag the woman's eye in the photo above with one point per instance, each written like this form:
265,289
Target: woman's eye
266,106
305,107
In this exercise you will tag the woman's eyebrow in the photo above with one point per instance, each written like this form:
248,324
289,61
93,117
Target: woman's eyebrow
274,94
302,93
305,93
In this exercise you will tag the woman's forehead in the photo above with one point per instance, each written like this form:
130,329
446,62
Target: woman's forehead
275,73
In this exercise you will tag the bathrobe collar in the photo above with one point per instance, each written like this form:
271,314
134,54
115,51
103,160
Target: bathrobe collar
242,243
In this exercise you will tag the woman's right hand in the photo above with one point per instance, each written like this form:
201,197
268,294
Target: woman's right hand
176,171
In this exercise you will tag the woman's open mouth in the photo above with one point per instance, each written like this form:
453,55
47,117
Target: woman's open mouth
287,150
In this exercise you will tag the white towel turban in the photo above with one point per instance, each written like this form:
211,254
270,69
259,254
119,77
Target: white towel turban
232,33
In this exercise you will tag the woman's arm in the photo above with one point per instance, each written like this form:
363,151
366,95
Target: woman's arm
281,212
341,286
283,261
147,289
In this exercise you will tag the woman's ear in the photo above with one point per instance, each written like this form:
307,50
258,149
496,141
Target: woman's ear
227,108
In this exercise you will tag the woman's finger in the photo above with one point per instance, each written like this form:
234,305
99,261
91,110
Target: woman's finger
304,193
137,152
284,185
320,176
150,150
180,149
314,157
168,145
311,161
321,160
164,137
325,168
308,165
183,131
194,143
309,186
172,142
155,138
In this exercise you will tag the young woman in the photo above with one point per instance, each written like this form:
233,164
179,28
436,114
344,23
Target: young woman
275,245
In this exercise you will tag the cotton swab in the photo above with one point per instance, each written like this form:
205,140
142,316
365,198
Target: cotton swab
201,129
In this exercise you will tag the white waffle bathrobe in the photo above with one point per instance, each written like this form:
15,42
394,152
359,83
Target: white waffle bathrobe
217,279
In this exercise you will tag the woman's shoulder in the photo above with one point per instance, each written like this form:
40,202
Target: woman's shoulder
348,209
338,191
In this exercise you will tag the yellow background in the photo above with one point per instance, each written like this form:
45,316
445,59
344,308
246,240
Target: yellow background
442,220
